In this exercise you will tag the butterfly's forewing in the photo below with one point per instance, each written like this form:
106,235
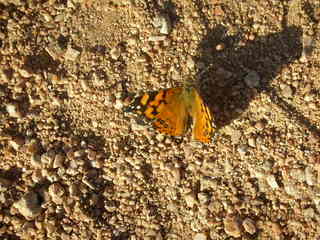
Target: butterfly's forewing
165,108
202,119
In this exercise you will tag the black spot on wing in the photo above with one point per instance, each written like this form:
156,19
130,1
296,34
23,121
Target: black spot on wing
136,105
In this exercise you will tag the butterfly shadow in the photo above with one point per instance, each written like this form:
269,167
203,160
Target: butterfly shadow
226,85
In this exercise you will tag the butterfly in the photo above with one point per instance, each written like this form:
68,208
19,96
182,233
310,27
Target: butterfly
170,109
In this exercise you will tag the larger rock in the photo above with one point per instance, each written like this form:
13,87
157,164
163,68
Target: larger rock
29,205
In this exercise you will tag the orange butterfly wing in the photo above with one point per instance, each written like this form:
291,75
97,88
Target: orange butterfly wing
166,109
169,110
202,119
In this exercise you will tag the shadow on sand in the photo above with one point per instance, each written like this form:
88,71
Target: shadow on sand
226,92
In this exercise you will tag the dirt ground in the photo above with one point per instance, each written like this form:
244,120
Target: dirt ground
74,165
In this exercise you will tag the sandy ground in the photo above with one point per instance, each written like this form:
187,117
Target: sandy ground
73,165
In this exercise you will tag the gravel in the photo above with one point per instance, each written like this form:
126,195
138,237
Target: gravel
75,166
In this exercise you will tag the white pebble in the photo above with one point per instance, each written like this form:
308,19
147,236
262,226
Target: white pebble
13,110
115,53
249,226
71,54
271,180
190,199
157,38
200,236
311,177
232,227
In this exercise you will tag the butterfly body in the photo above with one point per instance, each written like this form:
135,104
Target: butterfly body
169,111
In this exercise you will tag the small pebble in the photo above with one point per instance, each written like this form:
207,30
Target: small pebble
242,149
232,227
249,226
267,165
190,199
166,26
13,110
190,62
50,174
220,47
251,37
92,155
163,22
118,104
200,236
132,41
252,142
292,190
252,79
298,174
36,160
203,198
59,18
58,161
47,158
276,230
287,91
55,51
176,175
79,153
308,213
32,146
74,190
71,54
115,53
84,85
160,137
47,17
16,143
271,180
29,205
311,176
56,191
157,38
308,45
261,124
316,14
235,136
207,182
87,182
37,176
24,73
142,59
218,11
